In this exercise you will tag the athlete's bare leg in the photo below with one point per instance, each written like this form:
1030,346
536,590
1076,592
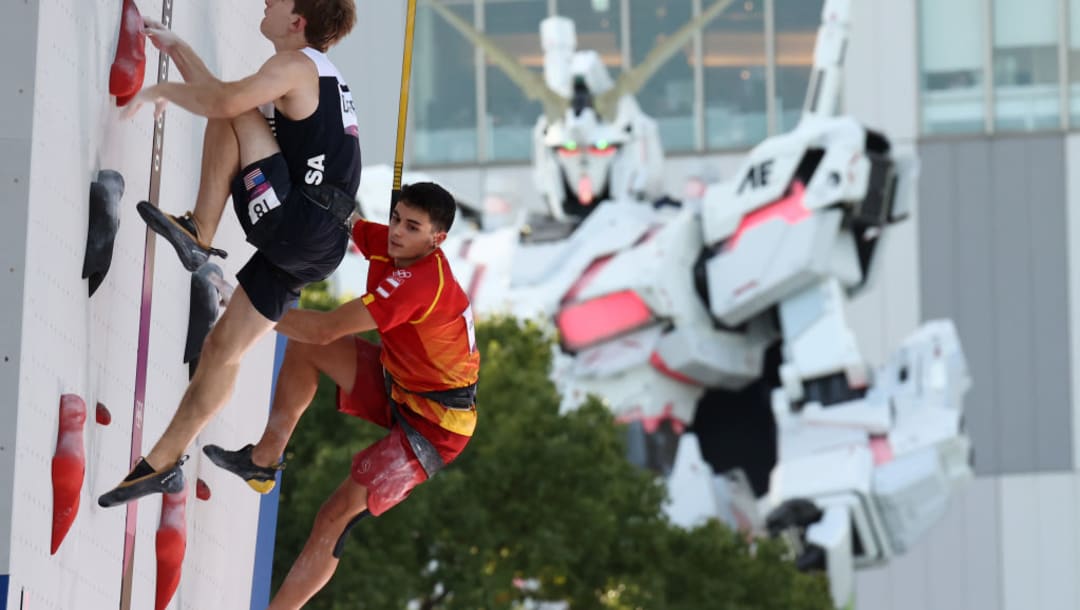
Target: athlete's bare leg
296,384
316,563
238,329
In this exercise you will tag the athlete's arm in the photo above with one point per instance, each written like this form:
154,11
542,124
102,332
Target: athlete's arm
281,75
322,327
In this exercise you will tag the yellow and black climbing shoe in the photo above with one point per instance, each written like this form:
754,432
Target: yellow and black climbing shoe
259,478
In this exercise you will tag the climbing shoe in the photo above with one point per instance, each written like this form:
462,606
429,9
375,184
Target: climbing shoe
181,232
143,481
260,478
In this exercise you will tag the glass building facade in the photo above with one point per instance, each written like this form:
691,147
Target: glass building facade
985,66
741,79
999,66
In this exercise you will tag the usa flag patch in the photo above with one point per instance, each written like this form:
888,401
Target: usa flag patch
255,183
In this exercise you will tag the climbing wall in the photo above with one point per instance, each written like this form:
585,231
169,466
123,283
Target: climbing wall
58,127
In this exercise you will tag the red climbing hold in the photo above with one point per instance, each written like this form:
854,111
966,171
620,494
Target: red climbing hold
102,415
170,544
68,467
129,66
202,490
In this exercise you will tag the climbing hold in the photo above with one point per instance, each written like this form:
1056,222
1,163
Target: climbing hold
202,490
224,288
105,194
102,415
205,304
68,467
129,65
170,544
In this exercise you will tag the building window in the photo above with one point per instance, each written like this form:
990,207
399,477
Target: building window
514,25
444,89
669,96
735,75
953,40
797,23
1026,94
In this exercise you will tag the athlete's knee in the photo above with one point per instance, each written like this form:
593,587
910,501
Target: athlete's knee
339,546
333,513
298,350
299,355
248,115
218,349
215,125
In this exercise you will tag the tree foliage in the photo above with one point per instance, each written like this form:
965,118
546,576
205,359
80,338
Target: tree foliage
536,497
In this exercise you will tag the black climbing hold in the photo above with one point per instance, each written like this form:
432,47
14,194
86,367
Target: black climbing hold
206,300
105,194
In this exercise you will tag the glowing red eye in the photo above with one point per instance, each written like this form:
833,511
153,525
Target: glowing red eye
594,321
598,151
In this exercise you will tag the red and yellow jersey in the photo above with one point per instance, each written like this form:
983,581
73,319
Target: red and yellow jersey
426,325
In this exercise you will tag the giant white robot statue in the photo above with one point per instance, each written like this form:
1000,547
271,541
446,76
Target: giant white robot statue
662,311
866,460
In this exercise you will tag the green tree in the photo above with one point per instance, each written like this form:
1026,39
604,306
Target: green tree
536,495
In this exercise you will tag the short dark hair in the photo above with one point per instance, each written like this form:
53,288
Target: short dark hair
328,21
433,199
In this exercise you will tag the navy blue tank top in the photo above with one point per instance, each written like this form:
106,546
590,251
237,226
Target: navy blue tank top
323,148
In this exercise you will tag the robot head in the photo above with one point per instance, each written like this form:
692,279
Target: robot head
585,150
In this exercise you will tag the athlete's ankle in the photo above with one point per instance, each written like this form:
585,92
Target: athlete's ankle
157,462
264,458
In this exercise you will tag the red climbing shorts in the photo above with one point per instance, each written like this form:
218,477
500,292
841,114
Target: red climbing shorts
388,468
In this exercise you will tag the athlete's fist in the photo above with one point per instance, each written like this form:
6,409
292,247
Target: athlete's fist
162,37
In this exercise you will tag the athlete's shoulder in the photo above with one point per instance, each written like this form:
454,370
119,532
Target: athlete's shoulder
450,291
322,63
425,270
290,61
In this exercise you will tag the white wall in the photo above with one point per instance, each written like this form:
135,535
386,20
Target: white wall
72,344
881,85
1040,541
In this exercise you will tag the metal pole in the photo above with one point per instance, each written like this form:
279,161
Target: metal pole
403,101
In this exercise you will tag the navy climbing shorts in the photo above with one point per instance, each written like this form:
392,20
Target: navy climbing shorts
298,242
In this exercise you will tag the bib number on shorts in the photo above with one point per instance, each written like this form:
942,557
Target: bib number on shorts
262,205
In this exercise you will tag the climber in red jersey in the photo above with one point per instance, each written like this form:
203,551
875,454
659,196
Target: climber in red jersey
420,383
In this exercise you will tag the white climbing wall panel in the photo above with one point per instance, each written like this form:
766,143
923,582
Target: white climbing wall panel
58,127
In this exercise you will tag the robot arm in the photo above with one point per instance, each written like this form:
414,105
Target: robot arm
823,94
859,481
822,362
